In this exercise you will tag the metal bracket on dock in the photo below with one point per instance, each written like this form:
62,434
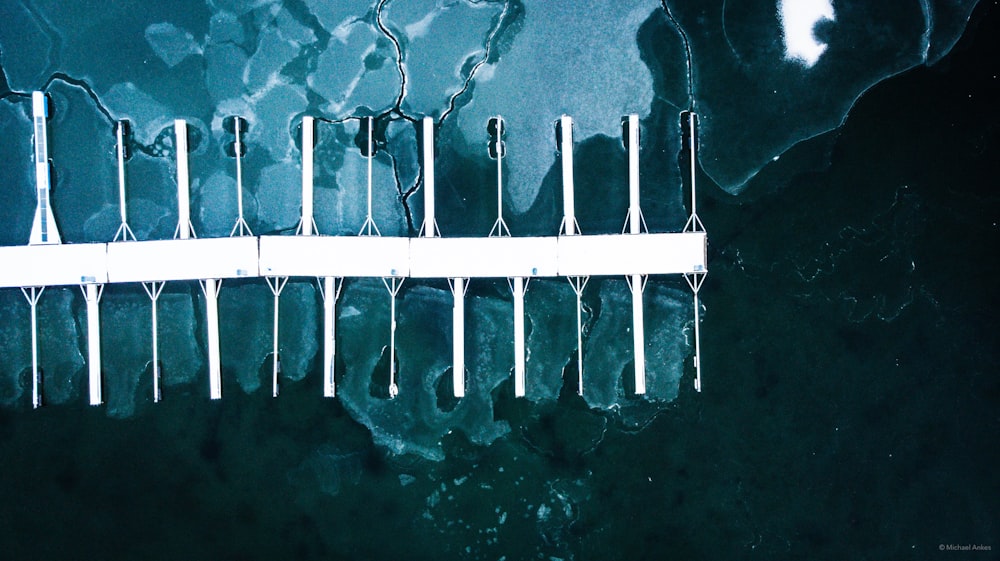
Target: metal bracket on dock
237,125
369,228
392,284
33,294
122,134
695,280
276,284
153,290
579,284
497,149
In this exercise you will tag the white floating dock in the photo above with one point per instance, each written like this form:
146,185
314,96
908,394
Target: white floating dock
642,254
43,228
635,255
495,257
334,256
174,260
53,265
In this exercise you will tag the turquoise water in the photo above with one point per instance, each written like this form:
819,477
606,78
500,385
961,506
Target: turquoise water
849,338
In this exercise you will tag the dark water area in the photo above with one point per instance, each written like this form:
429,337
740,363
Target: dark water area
850,406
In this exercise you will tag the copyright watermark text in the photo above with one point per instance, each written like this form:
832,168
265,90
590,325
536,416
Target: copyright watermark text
964,547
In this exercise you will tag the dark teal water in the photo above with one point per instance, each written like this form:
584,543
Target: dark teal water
850,342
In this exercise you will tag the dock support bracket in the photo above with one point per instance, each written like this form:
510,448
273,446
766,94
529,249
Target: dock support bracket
579,284
276,284
124,232
392,284
153,290
329,290
695,281
33,294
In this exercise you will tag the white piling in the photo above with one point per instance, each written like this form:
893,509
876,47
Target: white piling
276,284
637,284
307,224
579,284
517,287
331,291
92,294
153,290
635,224
32,294
392,284
124,232
458,287
184,229
211,289
429,228
569,226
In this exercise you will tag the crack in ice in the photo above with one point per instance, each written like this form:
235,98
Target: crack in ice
687,53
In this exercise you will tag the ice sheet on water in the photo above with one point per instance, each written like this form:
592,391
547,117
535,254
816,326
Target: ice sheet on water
215,204
60,330
80,145
224,66
181,351
299,343
357,68
797,77
17,175
342,184
442,42
126,101
609,352
280,202
225,27
245,320
275,110
413,422
126,340
171,43
550,306
15,347
240,7
272,54
581,60
26,48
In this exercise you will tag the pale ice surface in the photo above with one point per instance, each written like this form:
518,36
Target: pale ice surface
579,60
443,41
171,43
